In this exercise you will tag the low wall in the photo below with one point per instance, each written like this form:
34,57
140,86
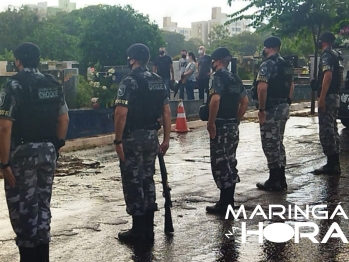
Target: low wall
301,93
90,122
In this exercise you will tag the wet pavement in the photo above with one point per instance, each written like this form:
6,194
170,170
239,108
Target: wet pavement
89,210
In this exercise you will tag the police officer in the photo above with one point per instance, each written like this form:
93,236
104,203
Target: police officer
141,100
275,90
33,123
227,104
330,78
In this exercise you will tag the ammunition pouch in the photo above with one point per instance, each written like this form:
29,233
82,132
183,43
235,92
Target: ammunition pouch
204,112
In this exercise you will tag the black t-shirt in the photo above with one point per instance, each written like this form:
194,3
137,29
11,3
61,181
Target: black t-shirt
163,64
204,66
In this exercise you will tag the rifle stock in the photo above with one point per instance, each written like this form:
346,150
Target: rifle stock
166,195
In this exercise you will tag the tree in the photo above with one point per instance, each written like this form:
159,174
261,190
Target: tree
174,43
55,44
295,18
217,34
110,30
193,45
15,25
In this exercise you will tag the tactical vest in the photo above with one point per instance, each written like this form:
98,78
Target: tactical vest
146,103
337,74
40,102
229,101
279,85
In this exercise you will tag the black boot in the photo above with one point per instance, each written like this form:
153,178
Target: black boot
331,168
149,226
136,233
28,254
282,179
44,253
226,199
272,184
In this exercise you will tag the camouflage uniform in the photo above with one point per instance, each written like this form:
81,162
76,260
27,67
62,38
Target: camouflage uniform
145,96
223,155
33,166
223,147
328,130
277,113
141,148
272,135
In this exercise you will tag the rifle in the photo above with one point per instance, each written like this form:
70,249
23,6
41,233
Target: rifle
166,195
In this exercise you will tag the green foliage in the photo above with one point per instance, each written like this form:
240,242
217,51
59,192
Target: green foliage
296,18
104,88
15,25
175,43
110,30
217,34
54,44
84,93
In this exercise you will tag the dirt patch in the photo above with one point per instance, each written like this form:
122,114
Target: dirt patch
68,166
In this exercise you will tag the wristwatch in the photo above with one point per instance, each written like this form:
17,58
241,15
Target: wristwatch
261,110
117,142
4,166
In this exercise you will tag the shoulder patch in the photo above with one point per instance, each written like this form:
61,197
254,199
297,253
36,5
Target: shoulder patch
263,71
2,98
121,90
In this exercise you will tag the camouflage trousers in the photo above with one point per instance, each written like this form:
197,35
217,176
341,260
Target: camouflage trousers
272,135
328,130
141,148
223,155
33,166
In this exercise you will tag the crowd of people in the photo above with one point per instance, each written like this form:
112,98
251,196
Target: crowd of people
194,72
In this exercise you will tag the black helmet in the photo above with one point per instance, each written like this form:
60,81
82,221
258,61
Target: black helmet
272,42
327,37
138,52
27,52
220,53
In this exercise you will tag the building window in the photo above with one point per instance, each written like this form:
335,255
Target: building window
238,29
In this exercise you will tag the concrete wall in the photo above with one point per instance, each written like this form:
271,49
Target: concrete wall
301,93
90,122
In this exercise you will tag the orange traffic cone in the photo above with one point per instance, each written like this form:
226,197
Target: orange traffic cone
181,121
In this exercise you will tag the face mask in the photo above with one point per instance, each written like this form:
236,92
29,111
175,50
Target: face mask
319,45
184,56
128,63
264,53
213,67
161,52
200,52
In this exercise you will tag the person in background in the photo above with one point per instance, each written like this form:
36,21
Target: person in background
183,62
163,66
188,77
204,71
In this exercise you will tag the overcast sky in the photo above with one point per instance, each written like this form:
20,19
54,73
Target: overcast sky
182,11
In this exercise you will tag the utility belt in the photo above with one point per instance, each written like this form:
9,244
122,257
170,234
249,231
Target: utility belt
130,129
220,122
271,102
17,141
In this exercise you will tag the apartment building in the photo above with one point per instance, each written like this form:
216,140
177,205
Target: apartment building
43,10
201,29
168,25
